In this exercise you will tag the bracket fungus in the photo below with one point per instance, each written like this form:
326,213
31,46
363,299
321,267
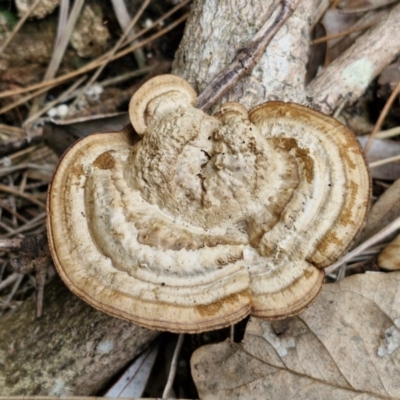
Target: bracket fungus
206,219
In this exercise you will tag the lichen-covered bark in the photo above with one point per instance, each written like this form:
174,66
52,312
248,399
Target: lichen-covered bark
71,350
216,30
346,79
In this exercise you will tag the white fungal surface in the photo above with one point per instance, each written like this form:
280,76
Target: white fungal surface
206,219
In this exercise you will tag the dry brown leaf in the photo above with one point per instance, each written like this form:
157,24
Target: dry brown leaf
384,211
344,346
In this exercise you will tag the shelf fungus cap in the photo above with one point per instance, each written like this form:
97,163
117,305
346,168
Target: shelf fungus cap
206,219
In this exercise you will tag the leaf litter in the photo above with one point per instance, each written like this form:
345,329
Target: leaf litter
343,346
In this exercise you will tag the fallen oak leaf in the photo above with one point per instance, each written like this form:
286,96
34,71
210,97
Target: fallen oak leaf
344,346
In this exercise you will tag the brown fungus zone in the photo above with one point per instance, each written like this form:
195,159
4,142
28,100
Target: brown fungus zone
206,219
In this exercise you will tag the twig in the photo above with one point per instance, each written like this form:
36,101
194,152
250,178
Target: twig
246,58
174,364
19,25
382,116
10,231
24,152
382,234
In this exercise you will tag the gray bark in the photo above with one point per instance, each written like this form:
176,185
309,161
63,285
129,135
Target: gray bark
216,30
72,349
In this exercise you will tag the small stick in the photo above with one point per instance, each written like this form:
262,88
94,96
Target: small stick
246,58
174,364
